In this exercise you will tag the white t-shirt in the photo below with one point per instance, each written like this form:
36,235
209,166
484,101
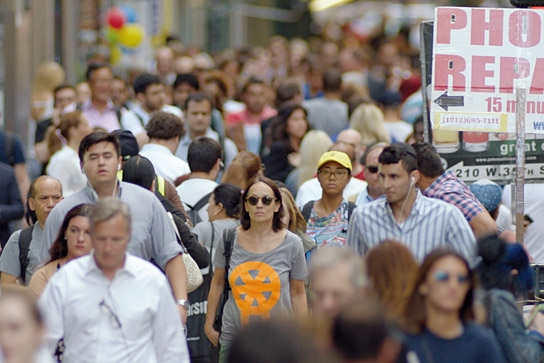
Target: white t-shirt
64,165
165,163
192,190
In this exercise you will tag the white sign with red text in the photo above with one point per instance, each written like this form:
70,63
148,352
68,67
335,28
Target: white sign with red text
480,57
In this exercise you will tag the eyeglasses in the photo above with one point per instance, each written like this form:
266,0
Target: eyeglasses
338,173
372,169
114,319
267,200
442,276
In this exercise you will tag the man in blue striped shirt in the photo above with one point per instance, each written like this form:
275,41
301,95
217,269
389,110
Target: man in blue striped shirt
422,223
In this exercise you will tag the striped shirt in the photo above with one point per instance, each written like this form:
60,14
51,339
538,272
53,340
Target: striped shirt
431,224
452,190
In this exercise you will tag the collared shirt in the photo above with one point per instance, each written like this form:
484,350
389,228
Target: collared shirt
9,259
165,163
364,198
251,126
106,119
131,318
137,118
230,148
431,224
152,233
452,190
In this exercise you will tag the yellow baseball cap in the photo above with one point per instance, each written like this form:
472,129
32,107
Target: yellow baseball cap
337,156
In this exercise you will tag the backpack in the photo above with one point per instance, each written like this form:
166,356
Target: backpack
194,209
24,246
307,209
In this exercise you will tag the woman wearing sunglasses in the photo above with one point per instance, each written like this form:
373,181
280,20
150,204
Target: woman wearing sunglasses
266,269
439,312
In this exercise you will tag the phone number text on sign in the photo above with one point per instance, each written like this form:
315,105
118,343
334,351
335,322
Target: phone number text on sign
484,122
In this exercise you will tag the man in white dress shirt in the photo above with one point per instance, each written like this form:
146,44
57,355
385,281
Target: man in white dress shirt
151,96
164,131
111,306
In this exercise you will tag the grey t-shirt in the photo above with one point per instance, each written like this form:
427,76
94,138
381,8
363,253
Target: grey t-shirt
152,233
9,260
204,232
328,115
259,283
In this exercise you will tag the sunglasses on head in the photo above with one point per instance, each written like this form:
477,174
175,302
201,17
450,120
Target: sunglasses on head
442,276
267,200
372,169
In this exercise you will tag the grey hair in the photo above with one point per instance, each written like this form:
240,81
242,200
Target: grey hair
328,257
108,208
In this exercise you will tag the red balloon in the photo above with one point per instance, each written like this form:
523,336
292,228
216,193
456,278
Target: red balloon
116,18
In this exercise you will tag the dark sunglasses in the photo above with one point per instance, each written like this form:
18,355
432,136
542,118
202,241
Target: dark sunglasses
372,169
255,200
442,276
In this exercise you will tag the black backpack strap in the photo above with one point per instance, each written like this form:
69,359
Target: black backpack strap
201,202
228,242
119,115
24,246
307,209
351,207
9,145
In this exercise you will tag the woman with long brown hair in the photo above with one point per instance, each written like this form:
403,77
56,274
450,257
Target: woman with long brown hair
244,167
73,241
439,313
266,267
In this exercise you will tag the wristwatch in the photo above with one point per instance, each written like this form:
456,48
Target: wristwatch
184,303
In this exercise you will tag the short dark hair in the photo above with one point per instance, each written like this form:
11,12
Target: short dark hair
365,315
245,221
94,67
188,78
97,137
430,164
139,170
332,80
62,86
203,153
164,126
250,81
399,152
287,89
143,81
199,97
230,196
59,248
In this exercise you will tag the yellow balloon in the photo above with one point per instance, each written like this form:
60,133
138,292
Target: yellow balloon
131,35
115,55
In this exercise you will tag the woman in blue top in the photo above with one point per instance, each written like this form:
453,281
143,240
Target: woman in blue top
439,311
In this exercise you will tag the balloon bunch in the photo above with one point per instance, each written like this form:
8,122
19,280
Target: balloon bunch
122,30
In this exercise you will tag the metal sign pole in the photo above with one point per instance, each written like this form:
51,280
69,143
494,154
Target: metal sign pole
521,98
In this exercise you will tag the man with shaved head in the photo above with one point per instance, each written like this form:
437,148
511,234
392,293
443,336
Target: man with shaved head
353,138
44,194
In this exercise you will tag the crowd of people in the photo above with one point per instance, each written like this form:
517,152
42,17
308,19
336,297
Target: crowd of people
293,180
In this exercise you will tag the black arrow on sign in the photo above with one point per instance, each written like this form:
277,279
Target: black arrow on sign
446,101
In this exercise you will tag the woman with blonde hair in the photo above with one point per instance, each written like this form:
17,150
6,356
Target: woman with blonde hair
392,270
48,76
368,119
312,146
244,167
64,163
